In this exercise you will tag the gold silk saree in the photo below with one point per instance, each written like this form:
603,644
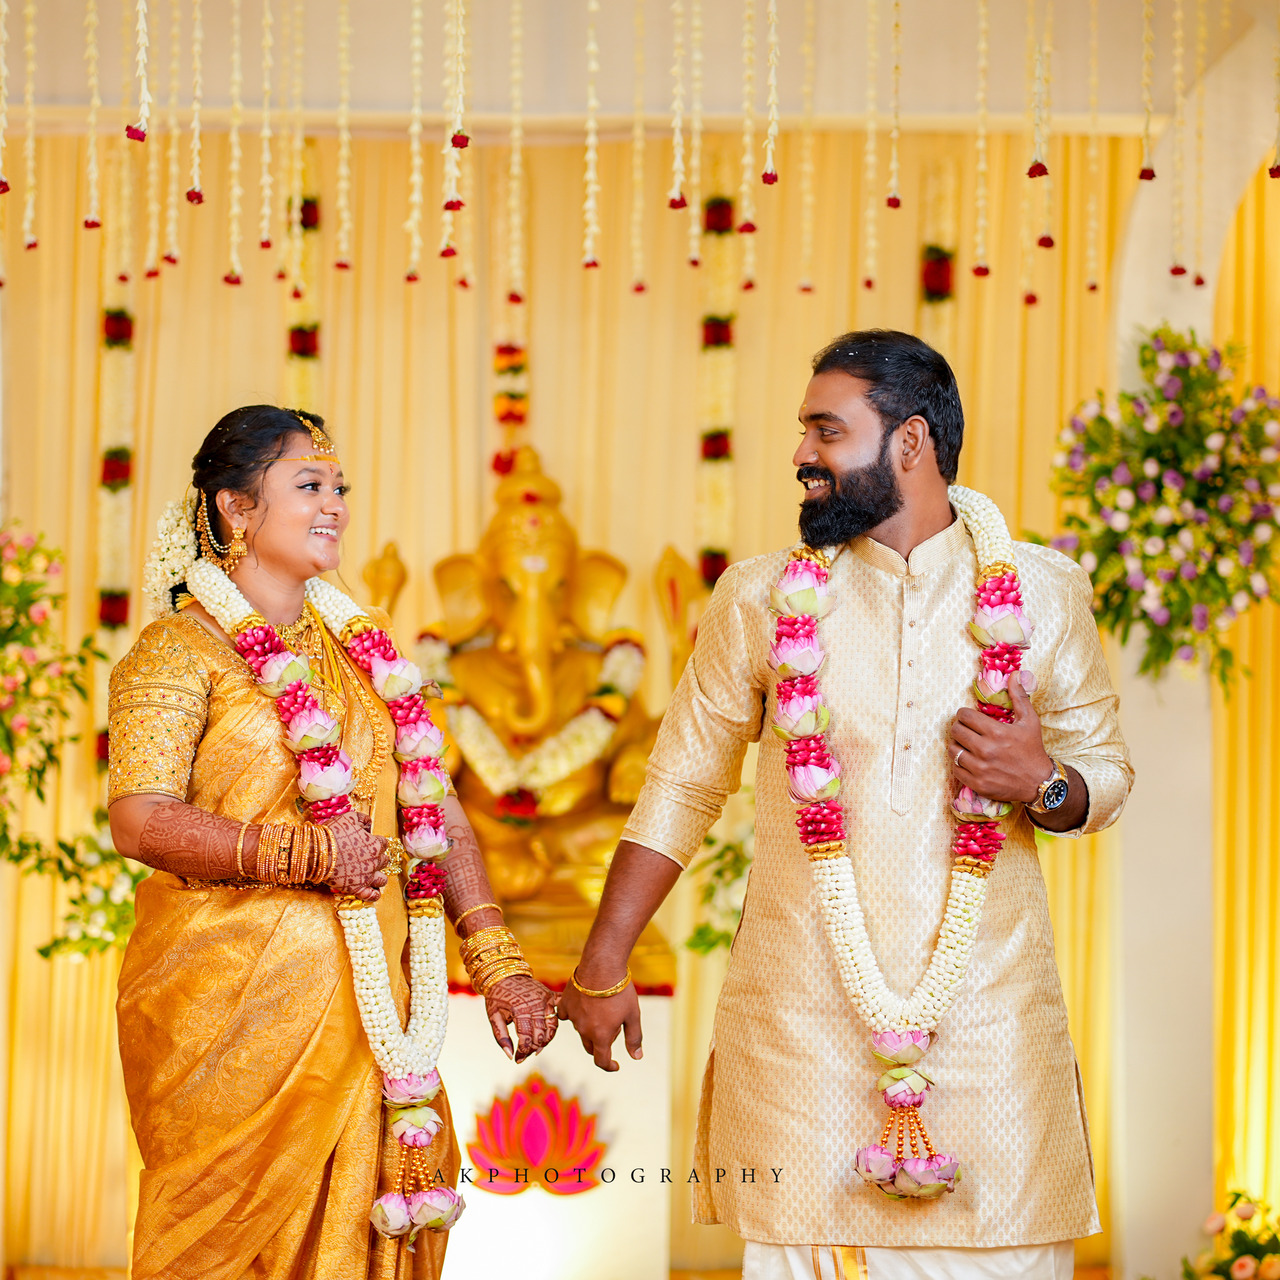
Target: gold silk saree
253,1092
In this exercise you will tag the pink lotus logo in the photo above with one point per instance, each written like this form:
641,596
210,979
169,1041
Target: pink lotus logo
536,1137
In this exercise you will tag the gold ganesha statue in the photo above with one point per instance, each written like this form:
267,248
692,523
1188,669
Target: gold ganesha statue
549,737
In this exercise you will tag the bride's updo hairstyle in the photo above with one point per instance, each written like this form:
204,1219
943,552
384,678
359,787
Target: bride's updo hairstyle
235,455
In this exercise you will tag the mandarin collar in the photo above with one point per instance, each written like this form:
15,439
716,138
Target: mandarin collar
931,554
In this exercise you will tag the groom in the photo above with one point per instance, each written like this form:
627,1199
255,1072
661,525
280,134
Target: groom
791,1084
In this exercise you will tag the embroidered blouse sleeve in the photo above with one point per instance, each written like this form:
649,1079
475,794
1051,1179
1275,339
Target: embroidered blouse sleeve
157,707
1080,721
716,710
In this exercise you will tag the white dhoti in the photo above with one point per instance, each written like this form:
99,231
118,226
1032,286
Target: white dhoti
823,1262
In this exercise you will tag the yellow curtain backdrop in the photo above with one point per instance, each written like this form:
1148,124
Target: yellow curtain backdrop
1246,753
404,377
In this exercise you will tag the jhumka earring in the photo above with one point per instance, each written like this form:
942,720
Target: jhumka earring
221,556
237,551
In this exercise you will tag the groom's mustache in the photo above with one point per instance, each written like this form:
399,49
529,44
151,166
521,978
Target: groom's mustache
816,473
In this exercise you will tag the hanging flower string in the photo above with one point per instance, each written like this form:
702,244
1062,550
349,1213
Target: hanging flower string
1045,59
515,163
695,132
808,198
91,48
173,139
870,161
1202,51
1091,158
120,244
138,131
1274,170
637,148
413,223
455,97
591,167
903,1029
1026,237
265,176
92,167
982,164
770,174
343,182
746,185
326,777
29,240
894,198
195,193
151,256
235,188
292,253
1147,173
1039,167
675,196
1177,195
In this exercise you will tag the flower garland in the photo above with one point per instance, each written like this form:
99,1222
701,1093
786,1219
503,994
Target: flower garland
808,198
746,182
92,169
265,176
195,193
302,364
894,199
770,174
695,131
1147,173
343,200
1044,61
138,132
29,240
902,1028
981,198
407,1058
1091,158
235,187
151,253
1202,54
1178,266
716,390
455,89
583,740
637,148
591,157
675,196
413,223
870,163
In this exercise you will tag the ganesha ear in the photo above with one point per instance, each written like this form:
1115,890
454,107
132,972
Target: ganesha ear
597,582
458,581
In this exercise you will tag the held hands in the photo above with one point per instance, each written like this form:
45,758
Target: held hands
531,1006
1000,761
362,858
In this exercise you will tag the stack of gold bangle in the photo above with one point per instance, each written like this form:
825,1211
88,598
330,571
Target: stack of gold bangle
491,955
292,855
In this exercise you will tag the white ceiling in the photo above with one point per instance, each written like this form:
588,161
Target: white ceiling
938,65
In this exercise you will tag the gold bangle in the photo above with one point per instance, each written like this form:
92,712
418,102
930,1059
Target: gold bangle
480,906
600,995
485,982
240,851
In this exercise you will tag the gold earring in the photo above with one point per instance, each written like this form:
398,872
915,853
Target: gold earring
237,550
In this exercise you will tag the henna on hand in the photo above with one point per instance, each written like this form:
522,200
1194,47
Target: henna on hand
531,1006
360,867
195,844
467,882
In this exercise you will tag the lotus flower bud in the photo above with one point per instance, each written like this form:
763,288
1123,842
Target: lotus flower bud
1001,624
280,670
312,727
802,589
900,1048
411,1090
390,1215
422,832
392,680
321,781
416,1126
875,1164
798,655
968,806
414,741
812,783
424,781
436,1209
904,1086
800,716
993,685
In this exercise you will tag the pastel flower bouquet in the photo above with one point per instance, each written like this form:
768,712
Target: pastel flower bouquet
1246,1243
1173,496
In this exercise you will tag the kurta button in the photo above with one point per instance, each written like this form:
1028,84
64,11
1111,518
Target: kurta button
911,623
906,746
911,704
911,662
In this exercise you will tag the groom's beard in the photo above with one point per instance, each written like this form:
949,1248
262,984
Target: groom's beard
856,501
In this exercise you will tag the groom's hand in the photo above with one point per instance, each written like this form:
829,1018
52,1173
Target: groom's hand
1000,761
598,1019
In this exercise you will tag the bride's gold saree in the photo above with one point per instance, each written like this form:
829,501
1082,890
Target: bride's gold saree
254,1095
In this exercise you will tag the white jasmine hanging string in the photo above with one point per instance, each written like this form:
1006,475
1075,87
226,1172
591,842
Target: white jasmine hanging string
894,198
591,166
29,240
637,147
695,132
343,183
675,196
808,199
413,223
770,174
981,267
265,179
173,139
1178,267
1147,173
195,193
870,162
138,132
92,168
1091,162
235,188
746,183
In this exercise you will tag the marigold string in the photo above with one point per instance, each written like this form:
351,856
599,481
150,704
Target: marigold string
92,166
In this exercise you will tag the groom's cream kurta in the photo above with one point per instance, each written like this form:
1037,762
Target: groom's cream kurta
790,1083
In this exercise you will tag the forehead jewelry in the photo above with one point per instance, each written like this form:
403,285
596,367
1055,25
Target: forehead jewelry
325,452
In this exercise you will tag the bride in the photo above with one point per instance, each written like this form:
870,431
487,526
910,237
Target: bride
264,731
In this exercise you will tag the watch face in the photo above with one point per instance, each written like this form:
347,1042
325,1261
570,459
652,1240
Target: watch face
1055,794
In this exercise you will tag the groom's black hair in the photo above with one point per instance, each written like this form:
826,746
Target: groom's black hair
907,377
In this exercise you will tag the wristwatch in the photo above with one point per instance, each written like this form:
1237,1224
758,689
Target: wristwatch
1053,791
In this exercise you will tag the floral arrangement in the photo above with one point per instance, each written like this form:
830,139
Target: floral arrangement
39,682
903,1028
1175,491
1246,1243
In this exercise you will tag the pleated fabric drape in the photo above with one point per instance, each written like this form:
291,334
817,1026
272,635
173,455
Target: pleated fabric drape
404,384
1246,749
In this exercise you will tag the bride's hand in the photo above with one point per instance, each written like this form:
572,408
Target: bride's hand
362,858
531,1006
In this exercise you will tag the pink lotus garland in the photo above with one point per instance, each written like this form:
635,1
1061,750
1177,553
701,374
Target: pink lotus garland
801,717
